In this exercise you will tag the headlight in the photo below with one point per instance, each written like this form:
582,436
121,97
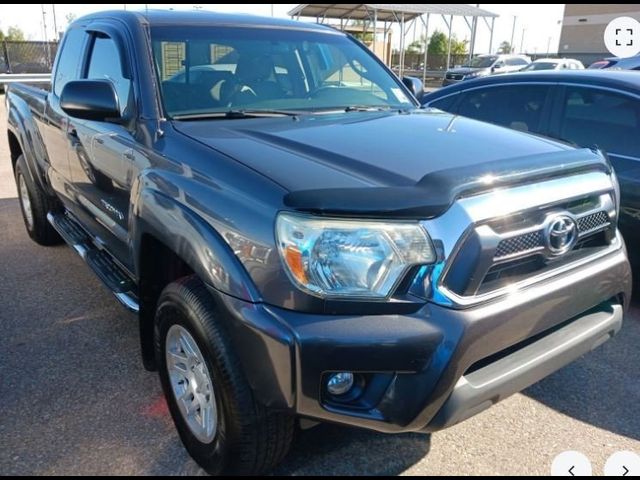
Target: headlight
479,73
350,258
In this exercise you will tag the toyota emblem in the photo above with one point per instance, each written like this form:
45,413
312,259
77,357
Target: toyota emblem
561,234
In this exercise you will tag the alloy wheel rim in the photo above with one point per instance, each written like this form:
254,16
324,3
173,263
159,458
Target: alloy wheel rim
26,202
191,384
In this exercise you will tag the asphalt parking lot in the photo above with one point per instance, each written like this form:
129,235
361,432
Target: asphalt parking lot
74,398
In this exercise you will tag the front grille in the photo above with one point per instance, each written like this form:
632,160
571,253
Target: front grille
531,241
454,76
502,252
593,222
517,245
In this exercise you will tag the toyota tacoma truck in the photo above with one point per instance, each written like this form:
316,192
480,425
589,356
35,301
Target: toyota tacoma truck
300,240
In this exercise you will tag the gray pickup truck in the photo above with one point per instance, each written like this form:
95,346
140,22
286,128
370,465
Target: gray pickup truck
300,239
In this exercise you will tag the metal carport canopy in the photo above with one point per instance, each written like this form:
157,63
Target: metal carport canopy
400,13
387,12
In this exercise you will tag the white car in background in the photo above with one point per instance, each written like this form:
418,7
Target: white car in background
554,64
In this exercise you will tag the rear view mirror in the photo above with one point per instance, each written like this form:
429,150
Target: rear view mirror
90,100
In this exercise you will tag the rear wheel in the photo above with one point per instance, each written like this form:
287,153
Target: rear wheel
35,205
220,422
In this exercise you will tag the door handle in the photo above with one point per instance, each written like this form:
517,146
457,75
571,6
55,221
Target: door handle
100,141
72,135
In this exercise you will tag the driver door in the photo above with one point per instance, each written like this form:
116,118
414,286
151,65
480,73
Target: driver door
101,158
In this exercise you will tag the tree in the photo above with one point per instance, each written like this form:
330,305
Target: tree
70,17
505,47
416,47
13,34
364,37
438,44
458,47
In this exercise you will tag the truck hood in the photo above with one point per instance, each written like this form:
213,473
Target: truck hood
329,159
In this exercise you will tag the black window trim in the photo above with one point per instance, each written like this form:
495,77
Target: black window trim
110,32
79,65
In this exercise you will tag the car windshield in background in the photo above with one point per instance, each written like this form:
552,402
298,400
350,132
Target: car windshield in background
481,62
540,66
207,70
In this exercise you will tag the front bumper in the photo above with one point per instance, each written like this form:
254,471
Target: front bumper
435,367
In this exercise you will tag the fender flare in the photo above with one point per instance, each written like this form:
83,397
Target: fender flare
192,239
16,126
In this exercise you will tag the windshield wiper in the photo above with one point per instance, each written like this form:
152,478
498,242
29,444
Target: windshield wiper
238,114
367,108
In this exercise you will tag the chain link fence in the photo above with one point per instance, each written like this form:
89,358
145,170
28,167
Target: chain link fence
27,56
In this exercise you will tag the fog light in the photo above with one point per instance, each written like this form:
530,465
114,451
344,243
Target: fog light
340,383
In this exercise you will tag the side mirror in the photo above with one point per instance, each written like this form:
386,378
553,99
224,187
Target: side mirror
415,86
90,100
497,66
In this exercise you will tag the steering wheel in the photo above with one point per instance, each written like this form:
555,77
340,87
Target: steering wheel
325,89
242,94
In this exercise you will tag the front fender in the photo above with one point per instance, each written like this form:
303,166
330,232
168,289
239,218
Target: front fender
193,240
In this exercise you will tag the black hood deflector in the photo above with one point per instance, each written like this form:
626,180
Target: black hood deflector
432,195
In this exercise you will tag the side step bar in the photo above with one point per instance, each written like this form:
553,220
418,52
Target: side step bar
107,270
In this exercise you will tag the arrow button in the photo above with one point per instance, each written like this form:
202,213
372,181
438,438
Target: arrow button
622,464
571,464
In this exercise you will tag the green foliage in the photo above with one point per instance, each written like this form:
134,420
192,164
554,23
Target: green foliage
13,34
458,47
70,17
416,47
438,44
364,37
505,47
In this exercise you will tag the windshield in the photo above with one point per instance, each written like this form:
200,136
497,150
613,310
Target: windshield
209,70
541,66
481,62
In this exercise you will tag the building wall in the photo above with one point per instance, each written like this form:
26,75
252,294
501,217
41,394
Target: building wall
583,26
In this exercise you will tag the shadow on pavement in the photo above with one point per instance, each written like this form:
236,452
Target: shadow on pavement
334,450
594,388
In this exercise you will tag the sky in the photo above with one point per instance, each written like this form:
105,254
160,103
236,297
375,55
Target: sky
537,27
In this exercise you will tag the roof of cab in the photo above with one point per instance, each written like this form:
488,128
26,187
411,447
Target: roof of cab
201,18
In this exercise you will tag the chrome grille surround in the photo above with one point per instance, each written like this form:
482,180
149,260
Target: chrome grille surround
470,234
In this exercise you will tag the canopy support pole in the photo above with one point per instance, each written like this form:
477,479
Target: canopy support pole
449,47
426,47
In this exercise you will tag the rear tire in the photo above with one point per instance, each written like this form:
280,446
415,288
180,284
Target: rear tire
247,439
35,205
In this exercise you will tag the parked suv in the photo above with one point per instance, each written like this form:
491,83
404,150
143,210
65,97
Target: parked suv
484,65
300,239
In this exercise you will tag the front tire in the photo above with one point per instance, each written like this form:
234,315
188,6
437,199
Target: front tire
35,205
203,383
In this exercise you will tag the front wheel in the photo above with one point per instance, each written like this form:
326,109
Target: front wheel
218,419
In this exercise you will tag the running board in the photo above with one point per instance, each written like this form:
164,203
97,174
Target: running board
107,270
